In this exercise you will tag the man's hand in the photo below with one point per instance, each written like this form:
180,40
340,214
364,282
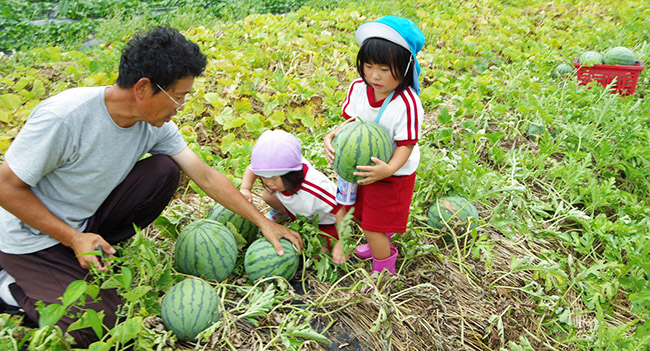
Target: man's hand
87,242
274,232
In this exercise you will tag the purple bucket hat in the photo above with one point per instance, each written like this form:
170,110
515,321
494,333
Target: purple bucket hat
276,153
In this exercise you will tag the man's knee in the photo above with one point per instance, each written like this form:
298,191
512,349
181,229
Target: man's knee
165,168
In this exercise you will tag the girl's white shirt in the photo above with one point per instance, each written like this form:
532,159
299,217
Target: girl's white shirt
402,118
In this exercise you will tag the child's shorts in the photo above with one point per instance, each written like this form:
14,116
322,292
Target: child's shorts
330,230
383,206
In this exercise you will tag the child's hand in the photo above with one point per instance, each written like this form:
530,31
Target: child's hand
337,253
247,194
329,149
374,173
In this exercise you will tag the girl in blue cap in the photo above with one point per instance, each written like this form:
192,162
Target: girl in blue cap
387,93
293,186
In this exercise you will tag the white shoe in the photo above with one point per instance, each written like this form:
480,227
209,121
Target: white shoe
5,294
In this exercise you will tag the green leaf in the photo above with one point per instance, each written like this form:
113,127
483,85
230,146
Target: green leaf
50,314
73,292
135,294
10,102
444,117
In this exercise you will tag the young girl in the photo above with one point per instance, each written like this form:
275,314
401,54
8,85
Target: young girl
386,93
293,185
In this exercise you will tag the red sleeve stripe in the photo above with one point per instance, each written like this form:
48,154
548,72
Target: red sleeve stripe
319,192
347,97
412,118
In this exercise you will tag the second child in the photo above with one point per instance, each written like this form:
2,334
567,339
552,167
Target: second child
293,186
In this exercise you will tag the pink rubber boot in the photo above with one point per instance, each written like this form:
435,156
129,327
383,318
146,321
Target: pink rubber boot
387,263
363,250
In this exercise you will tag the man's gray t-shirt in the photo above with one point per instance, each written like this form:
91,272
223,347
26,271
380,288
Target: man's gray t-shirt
73,155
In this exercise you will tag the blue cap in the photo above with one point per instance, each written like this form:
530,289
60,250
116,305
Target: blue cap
400,31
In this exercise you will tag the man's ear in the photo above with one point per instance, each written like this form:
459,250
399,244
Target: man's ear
142,87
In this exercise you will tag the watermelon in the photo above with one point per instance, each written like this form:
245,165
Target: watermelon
189,307
261,260
561,70
590,58
245,227
355,144
535,131
453,210
619,56
206,249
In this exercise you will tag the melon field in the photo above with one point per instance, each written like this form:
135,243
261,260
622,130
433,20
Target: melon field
558,172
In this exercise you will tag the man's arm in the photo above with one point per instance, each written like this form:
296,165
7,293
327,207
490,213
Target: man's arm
221,189
17,197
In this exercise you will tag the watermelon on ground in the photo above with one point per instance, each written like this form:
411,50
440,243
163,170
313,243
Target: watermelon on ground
245,227
590,58
261,260
206,249
189,307
535,131
619,56
355,144
562,70
452,210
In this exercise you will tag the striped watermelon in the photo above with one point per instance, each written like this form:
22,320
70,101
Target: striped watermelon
355,143
561,70
189,307
245,227
206,249
453,210
590,58
261,260
619,56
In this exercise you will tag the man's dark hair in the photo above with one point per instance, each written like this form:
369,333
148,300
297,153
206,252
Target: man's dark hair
383,52
163,55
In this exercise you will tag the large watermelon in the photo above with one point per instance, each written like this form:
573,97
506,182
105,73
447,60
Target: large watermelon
206,249
453,210
189,307
590,58
619,56
245,227
355,144
261,260
561,70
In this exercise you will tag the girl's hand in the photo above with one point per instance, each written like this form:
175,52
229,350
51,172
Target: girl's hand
337,253
374,173
247,194
329,149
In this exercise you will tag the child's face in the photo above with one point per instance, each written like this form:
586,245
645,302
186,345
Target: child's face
274,183
380,78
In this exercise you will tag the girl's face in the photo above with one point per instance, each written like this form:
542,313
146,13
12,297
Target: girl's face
381,79
274,183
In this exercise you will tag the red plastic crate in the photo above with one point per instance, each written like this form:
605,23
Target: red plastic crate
626,76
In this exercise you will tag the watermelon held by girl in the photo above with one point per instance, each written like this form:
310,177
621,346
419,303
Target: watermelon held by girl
619,56
452,211
245,227
206,249
261,260
189,307
590,58
355,144
562,70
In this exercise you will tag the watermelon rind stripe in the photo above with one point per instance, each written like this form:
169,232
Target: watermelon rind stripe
261,260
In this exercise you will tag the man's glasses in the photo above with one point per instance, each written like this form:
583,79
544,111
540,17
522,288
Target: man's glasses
179,104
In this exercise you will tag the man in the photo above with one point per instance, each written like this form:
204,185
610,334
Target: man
74,177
